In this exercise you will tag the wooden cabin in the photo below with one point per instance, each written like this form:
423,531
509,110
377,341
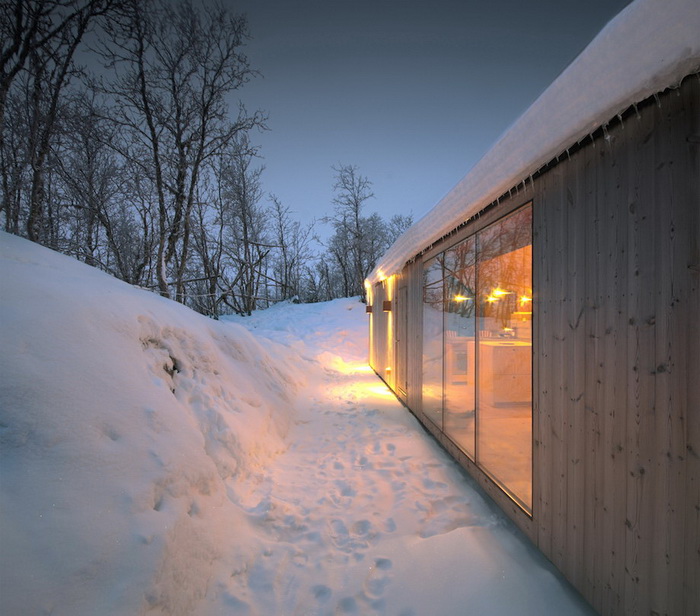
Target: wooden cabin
543,320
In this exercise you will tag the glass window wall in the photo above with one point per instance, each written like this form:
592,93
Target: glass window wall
477,349
433,293
504,333
459,338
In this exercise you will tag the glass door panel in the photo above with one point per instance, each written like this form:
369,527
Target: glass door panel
432,340
459,326
504,353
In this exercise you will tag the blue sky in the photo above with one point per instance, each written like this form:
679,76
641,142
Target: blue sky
413,93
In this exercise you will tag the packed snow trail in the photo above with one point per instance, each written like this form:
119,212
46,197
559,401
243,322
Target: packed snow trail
155,462
365,513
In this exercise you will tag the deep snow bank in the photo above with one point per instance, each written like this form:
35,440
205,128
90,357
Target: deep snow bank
126,424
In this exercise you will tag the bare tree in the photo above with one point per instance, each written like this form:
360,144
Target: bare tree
175,66
28,26
397,225
349,243
40,38
112,220
246,244
291,252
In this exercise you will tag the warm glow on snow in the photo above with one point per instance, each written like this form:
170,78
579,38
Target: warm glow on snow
273,473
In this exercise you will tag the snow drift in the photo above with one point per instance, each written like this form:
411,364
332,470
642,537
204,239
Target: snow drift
126,422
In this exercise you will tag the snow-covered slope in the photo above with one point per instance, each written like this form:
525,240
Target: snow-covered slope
123,418
649,47
155,462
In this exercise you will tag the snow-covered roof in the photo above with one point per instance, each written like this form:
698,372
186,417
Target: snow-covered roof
650,46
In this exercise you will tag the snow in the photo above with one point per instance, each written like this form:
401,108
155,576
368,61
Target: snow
649,47
154,461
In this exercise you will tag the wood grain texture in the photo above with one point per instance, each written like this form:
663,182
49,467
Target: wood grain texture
616,366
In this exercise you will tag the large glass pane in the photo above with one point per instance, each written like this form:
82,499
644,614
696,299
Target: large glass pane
504,353
432,340
459,323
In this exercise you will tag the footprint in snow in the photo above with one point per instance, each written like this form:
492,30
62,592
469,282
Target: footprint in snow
321,593
429,484
347,605
376,582
363,462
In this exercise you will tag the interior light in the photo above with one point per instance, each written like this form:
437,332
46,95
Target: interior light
462,298
524,299
498,292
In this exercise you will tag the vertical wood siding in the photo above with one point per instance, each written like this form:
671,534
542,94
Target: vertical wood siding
616,370
413,278
616,458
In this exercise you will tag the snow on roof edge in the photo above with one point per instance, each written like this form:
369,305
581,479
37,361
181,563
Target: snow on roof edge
649,46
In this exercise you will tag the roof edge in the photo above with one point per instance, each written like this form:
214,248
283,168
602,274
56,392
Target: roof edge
651,46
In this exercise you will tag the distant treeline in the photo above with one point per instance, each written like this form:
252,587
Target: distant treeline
119,146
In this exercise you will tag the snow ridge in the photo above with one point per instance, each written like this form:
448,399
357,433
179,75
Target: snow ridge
126,424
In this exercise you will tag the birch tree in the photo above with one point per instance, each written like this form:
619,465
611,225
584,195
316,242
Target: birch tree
292,251
175,66
39,42
246,243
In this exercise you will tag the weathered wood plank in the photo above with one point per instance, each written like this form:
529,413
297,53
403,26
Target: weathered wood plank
543,301
691,534
414,281
641,350
613,180
664,410
560,306
594,369
574,200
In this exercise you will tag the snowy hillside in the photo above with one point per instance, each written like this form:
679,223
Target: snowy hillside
153,461
122,417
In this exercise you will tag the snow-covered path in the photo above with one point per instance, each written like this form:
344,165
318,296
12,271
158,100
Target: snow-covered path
154,462
364,513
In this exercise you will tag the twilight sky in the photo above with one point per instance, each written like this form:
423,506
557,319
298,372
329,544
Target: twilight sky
412,92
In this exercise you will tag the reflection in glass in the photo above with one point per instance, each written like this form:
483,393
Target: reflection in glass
432,340
459,317
504,355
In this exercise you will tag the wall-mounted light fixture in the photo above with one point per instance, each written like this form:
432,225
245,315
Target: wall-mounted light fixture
386,306
368,308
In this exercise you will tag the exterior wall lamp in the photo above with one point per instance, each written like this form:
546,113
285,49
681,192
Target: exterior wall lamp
386,307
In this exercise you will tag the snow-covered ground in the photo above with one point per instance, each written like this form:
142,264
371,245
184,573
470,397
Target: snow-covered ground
153,461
